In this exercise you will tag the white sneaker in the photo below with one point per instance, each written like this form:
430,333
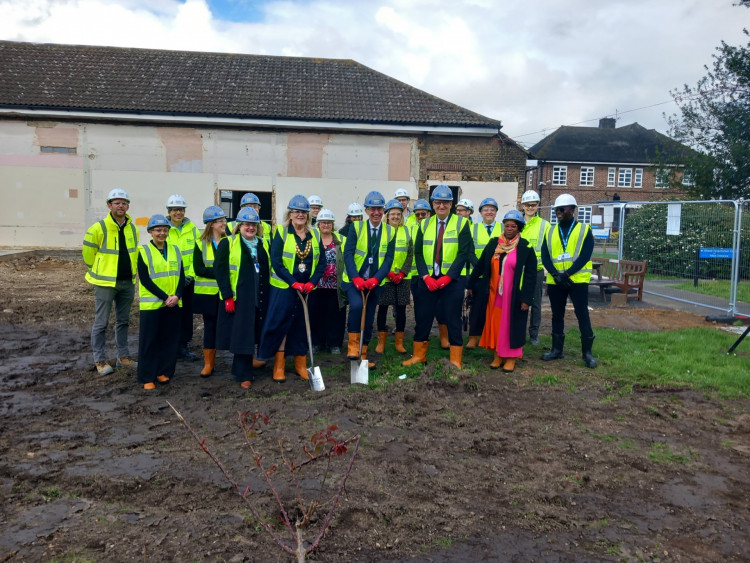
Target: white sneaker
104,368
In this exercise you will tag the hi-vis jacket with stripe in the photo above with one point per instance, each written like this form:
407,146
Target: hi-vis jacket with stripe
164,273
361,239
290,251
206,286
455,252
235,259
101,252
185,238
535,231
563,256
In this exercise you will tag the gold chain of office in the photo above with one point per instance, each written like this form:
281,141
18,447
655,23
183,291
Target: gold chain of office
303,254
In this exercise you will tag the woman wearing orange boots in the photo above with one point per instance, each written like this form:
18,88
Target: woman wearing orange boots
507,269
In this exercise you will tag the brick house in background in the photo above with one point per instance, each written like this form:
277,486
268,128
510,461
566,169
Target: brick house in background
605,163
77,121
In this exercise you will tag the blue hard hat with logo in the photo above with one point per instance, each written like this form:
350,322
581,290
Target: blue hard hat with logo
157,220
249,198
421,205
247,215
212,213
442,193
393,204
514,215
299,203
489,201
374,199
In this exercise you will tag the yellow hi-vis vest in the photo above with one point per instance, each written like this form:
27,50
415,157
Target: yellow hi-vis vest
563,259
235,258
453,226
185,240
101,252
413,230
401,250
206,286
361,228
290,251
164,273
535,231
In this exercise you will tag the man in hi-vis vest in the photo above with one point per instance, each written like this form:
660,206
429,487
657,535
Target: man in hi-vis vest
566,254
535,232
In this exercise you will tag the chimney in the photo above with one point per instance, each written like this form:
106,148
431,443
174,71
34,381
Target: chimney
607,123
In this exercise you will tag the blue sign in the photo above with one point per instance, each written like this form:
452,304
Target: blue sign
715,253
600,233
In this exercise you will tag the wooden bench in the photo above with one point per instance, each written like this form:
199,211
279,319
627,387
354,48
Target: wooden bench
626,275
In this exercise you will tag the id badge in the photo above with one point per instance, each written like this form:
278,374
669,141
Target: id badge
257,267
564,256
436,269
370,260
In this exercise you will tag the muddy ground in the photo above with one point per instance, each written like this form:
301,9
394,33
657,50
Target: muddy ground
475,465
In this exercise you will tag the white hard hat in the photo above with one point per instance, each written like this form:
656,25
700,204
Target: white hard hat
118,193
529,196
401,192
466,202
315,200
355,209
176,200
564,200
326,215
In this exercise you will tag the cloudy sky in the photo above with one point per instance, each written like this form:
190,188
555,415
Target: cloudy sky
533,64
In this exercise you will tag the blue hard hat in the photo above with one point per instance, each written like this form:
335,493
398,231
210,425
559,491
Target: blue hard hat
489,201
157,220
212,213
300,203
374,199
514,215
247,215
442,193
421,205
393,204
249,198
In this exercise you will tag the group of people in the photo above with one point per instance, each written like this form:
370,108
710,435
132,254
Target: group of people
253,284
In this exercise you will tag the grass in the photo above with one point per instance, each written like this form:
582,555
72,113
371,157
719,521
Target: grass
715,288
660,453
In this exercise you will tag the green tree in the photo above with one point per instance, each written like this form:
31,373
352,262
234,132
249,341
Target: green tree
714,119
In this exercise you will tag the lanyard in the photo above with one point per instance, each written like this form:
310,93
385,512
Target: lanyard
567,235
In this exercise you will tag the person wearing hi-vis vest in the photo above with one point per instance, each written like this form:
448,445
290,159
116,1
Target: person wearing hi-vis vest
161,279
206,298
296,267
395,290
183,234
566,255
535,232
441,249
110,251
251,200
368,257
242,269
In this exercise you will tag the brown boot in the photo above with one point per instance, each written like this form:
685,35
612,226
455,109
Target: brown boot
258,363
457,353
209,357
400,343
510,365
300,366
444,344
278,366
352,352
370,365
472,343
380,348
419,355
497,362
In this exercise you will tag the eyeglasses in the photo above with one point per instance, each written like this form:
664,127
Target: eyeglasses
402,199
298,212
439,202
421,214
531,205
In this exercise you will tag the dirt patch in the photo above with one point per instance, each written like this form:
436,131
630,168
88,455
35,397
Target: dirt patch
478,466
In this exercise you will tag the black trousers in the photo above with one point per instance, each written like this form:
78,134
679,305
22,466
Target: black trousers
327,320
477,312
186,314
242,367
579,295
158,341
400,317
443,305
209,331
355,310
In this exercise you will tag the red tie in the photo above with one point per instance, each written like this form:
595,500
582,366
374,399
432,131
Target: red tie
439,244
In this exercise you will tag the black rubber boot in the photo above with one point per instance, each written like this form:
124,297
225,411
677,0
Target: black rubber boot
185,354
558,341
586,351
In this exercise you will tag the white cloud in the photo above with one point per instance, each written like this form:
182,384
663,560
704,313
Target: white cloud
532,64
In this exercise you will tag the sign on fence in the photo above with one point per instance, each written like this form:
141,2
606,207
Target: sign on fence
715,253
601,233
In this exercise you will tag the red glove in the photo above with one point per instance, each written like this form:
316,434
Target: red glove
371,284
359,283
299,286
392,276
442,281
431,283
399,278
309,286
229,305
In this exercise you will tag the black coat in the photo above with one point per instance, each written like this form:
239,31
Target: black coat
239,332
526,269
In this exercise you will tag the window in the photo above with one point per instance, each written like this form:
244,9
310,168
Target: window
560,176
611,172
530,183
661,179
624,177
584,214
587,175
58,150
638,180
688,178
